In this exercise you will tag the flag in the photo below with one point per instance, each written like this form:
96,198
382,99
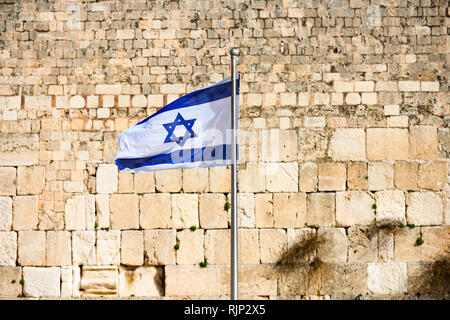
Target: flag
193,131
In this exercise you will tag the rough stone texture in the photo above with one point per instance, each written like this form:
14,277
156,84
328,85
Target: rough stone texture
333,245
10,281
332,176
83,248
423,142
124,211
321,210
132,248
31,180
8,181
144,182
354,207
99,281
211,211
273,243
41,282
424,208
357,176
80,213
190,247
432,175
108,247
155,211
308,177
387,144
380,176
363,244
263,210
184,210
390,207
25,212
31,248
387,278
406,175
282,177
159,247
5,213
8,248
18,149
348,144
140,282
192,281
58,251
106,178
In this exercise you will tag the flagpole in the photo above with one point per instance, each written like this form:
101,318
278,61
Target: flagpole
234,52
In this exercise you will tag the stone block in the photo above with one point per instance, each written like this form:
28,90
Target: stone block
80,212
106,178
184,210
8,248
70,282
333,245
390,208
308,177
18,149
246,210
191,248
25,212
348,144
31,180
354,207
254,281
424,208
409,85
219,179
58,252
8,181
41,282
321,210
144,182
387,144
102,210
432,175
252,178
272,245
99,281
168,180
159,247
83,248
6,215
10,281
132,248
126,182
248,246
196,180
191,281
289,210
363,243
313,144
332,176
282,177
406,175
263,210
156,211
108,247
140,282
387,278
357,176
31,248
217,246
339,278
381,176
423,142
288,148
353,98
124,211
212,213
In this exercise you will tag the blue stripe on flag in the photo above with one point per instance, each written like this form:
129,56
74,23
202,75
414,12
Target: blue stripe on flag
201,96
220,152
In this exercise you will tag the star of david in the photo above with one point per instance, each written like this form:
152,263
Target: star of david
179,121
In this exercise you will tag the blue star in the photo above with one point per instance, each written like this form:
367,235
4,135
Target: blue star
170,127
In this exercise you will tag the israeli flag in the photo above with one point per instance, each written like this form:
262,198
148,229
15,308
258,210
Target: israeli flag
193,131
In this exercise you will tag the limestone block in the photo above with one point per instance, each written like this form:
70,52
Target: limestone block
83,248
140,282
272,244
124,211
70,281
219,179
263,210
58,252
184,210
363,244
288,145
8,181
390,207
248,246
8,248
352,98
190,247
80,212
156,211
41,282
144,182
348,144
102,210
191,281
333,245
380,176
31,248
168,180
282,177
432,175
354,207
110,145
321,210
10,281
357,176
313,144
99,281
126,182
332,176
132,248
406,175
289,210
108,247
246,210
386,244
212,213
387,144
31,180
252,178
436,244
195,180
308,177
302,246
25,212
159,247
5,213
217,246
387,278
254,280
429,86
106,178
424,208
18,149
339,278
423,142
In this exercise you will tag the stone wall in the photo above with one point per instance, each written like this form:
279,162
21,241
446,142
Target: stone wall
353,202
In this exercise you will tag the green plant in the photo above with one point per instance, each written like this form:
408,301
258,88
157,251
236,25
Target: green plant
227,206
176,247
374,206
13,281
193,228
132,295
96,225
419,241
203,264
22,281
402,225
411,225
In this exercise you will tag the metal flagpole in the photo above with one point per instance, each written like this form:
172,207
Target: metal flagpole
234,52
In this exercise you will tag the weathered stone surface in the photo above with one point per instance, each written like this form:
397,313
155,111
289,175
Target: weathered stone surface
354,207
424,208
272,244
70,281
289,210
25,212
58,250
126,182
31,248
5,213
10,281
41,282
168,180
219,179
387,278
348,144
196,180
313,144
254,280
190,247
132,248
80,212
191,281
423,142
282,177
8,248
321,210
155,211
184,210
159,247
387,144
18,149
99,281
124,211
380,176
31,180
288,149
246,210
252,178
363,244
217,249
432,175
83,248
308,177
338,278
332,176
333,245
107,178
102,210
108,247
406,175
357,176
8,181
212,213
144,182
263,210
390,207
141,282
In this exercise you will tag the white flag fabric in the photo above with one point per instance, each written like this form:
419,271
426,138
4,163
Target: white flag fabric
193,131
